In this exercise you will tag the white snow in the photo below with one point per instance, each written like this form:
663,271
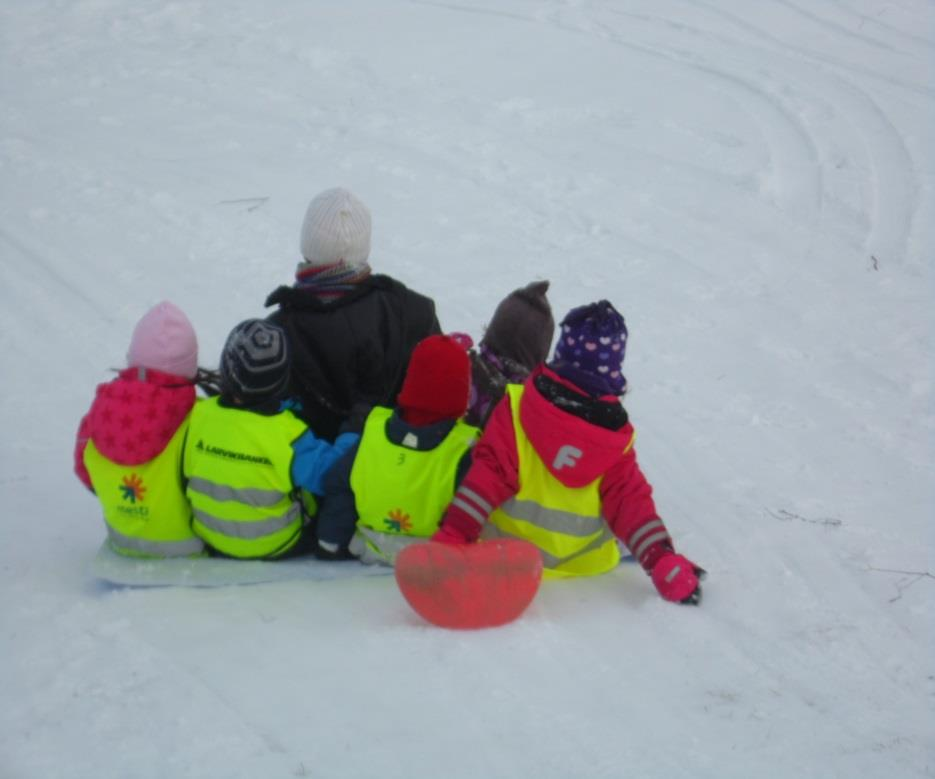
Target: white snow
750,182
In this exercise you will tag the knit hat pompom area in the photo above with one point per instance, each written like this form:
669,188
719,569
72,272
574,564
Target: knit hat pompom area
336,230
255,361
590,350
164,340
522,326
438,381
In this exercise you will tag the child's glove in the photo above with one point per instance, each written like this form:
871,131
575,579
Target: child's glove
445,535
356,419
456,529
678,579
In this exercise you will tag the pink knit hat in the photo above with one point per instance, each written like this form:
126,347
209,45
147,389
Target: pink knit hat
164,340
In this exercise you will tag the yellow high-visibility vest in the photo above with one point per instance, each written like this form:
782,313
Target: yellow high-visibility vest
565,523
401,493
145,509
239,470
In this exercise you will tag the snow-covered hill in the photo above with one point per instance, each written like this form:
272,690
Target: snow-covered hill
750,182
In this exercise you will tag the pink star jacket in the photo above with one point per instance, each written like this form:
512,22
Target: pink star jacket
133,417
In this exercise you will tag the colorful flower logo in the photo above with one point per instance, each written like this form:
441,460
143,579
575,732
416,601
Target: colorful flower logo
398,521
132,488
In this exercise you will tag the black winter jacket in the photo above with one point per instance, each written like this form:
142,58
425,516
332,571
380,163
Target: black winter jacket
354,349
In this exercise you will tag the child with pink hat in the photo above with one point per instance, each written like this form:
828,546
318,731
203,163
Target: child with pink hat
129,445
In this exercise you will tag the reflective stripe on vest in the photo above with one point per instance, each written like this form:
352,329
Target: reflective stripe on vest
252,497
403,492
238,464
565,523
235,528
145,508
371,547
144,548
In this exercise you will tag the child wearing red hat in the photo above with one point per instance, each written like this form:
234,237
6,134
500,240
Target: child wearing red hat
391,489
556,466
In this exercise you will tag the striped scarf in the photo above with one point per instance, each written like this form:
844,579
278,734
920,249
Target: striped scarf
329,282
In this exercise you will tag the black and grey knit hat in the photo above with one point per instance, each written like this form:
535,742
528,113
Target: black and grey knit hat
255,361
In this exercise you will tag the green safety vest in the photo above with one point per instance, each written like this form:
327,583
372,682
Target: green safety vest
401,493
565,523
239,470
144,505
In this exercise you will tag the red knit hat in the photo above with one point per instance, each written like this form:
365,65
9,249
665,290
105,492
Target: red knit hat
437,383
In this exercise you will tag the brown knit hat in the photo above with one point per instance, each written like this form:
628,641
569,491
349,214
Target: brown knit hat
522,326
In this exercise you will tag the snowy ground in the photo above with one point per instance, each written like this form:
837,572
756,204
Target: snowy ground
750,182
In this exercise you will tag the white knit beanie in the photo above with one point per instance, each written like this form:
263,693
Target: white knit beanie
336,229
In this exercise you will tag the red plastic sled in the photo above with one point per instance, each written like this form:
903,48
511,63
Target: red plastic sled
470,586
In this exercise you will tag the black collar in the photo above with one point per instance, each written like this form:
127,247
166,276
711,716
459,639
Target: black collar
608,415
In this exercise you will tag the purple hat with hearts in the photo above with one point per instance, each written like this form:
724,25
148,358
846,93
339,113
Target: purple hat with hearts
591,344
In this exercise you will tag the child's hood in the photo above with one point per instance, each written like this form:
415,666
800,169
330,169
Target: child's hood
574,450
134,416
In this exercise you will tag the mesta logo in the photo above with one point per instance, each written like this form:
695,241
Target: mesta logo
132,488
398,521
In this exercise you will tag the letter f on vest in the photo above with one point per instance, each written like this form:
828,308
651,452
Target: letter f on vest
566,457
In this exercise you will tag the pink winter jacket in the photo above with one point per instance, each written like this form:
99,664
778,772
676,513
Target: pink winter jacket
626,495
133,417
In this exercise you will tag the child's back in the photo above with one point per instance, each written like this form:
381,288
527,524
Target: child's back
129,444
253,466
351,332
393,489
556,466
516,340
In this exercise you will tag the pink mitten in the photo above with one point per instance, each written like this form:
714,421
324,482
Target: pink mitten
447,534
678,579
457,528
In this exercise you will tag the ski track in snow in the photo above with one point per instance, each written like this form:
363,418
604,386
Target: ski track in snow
750,183
892,177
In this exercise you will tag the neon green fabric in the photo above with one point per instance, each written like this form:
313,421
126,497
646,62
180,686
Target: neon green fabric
145,508
564,523
238,465
401,492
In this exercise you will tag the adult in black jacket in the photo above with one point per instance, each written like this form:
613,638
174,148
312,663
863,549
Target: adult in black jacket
351,332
